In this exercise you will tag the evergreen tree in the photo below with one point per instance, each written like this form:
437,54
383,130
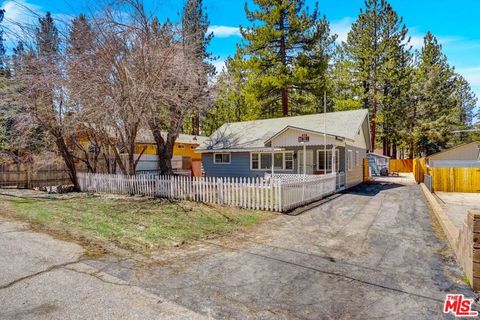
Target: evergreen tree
466,103
81,36
287,51
3,65
375,47
231,103
47,38
436,111
195,35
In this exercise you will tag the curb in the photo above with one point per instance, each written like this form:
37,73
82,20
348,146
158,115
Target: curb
450,230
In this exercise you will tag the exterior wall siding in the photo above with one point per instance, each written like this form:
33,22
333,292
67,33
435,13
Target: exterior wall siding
186,150
239,165
354,176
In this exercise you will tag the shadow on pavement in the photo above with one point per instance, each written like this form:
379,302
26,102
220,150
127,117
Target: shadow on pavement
371,189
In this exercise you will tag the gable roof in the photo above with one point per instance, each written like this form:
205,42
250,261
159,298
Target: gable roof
254,134
474,145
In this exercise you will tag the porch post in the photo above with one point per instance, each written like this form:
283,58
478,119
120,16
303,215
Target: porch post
273,155
304,158
304,168
334,159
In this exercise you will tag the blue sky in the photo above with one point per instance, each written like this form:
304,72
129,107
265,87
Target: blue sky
455,23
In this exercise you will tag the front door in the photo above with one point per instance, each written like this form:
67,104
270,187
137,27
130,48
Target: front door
309,168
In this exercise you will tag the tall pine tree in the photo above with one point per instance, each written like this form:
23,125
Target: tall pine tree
195,35
286,52
375,48
435,112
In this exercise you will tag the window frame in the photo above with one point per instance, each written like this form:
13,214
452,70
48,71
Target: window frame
276,152
222,153
337,158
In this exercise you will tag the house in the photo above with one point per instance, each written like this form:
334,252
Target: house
185,156
310,144
462,156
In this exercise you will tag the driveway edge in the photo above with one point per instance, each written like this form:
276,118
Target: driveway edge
465,241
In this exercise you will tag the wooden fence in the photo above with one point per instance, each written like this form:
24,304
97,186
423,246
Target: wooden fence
252,193
455,179
419,169
30,175
400,165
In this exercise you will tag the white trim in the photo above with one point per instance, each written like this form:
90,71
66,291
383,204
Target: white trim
350,160
305,130
275,152
337,157
229,158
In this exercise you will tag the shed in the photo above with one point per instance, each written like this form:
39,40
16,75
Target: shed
377,162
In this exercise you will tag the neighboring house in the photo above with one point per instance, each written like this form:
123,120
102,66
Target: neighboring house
184,155
184,151
461,156
245,149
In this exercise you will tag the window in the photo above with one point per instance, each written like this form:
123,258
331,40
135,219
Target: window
321,160
221,158
263,160
289,161
381,161
350,160
254,159
357,159
181,146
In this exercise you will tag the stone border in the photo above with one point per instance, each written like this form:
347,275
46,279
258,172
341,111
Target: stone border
464,241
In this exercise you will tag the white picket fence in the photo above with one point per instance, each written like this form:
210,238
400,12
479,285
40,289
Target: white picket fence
252,193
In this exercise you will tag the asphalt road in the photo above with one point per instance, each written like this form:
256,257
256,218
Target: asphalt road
369,253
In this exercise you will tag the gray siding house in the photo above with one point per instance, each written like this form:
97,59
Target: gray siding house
310,144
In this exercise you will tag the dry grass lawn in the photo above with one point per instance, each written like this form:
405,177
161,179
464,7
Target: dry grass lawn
137,224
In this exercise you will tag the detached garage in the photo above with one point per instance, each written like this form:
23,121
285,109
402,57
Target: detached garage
462,156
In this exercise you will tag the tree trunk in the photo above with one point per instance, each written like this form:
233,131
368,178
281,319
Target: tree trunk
374,122
283,57
285,102
69,161
394,150
196,125
131,159
165,157
164,149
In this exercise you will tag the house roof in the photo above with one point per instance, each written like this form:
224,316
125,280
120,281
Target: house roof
145,136
473,145
254,134
374,154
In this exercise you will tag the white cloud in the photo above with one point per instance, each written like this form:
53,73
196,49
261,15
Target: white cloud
219,65
18,13
341,28
224,31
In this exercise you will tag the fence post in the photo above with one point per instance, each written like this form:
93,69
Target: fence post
219,190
